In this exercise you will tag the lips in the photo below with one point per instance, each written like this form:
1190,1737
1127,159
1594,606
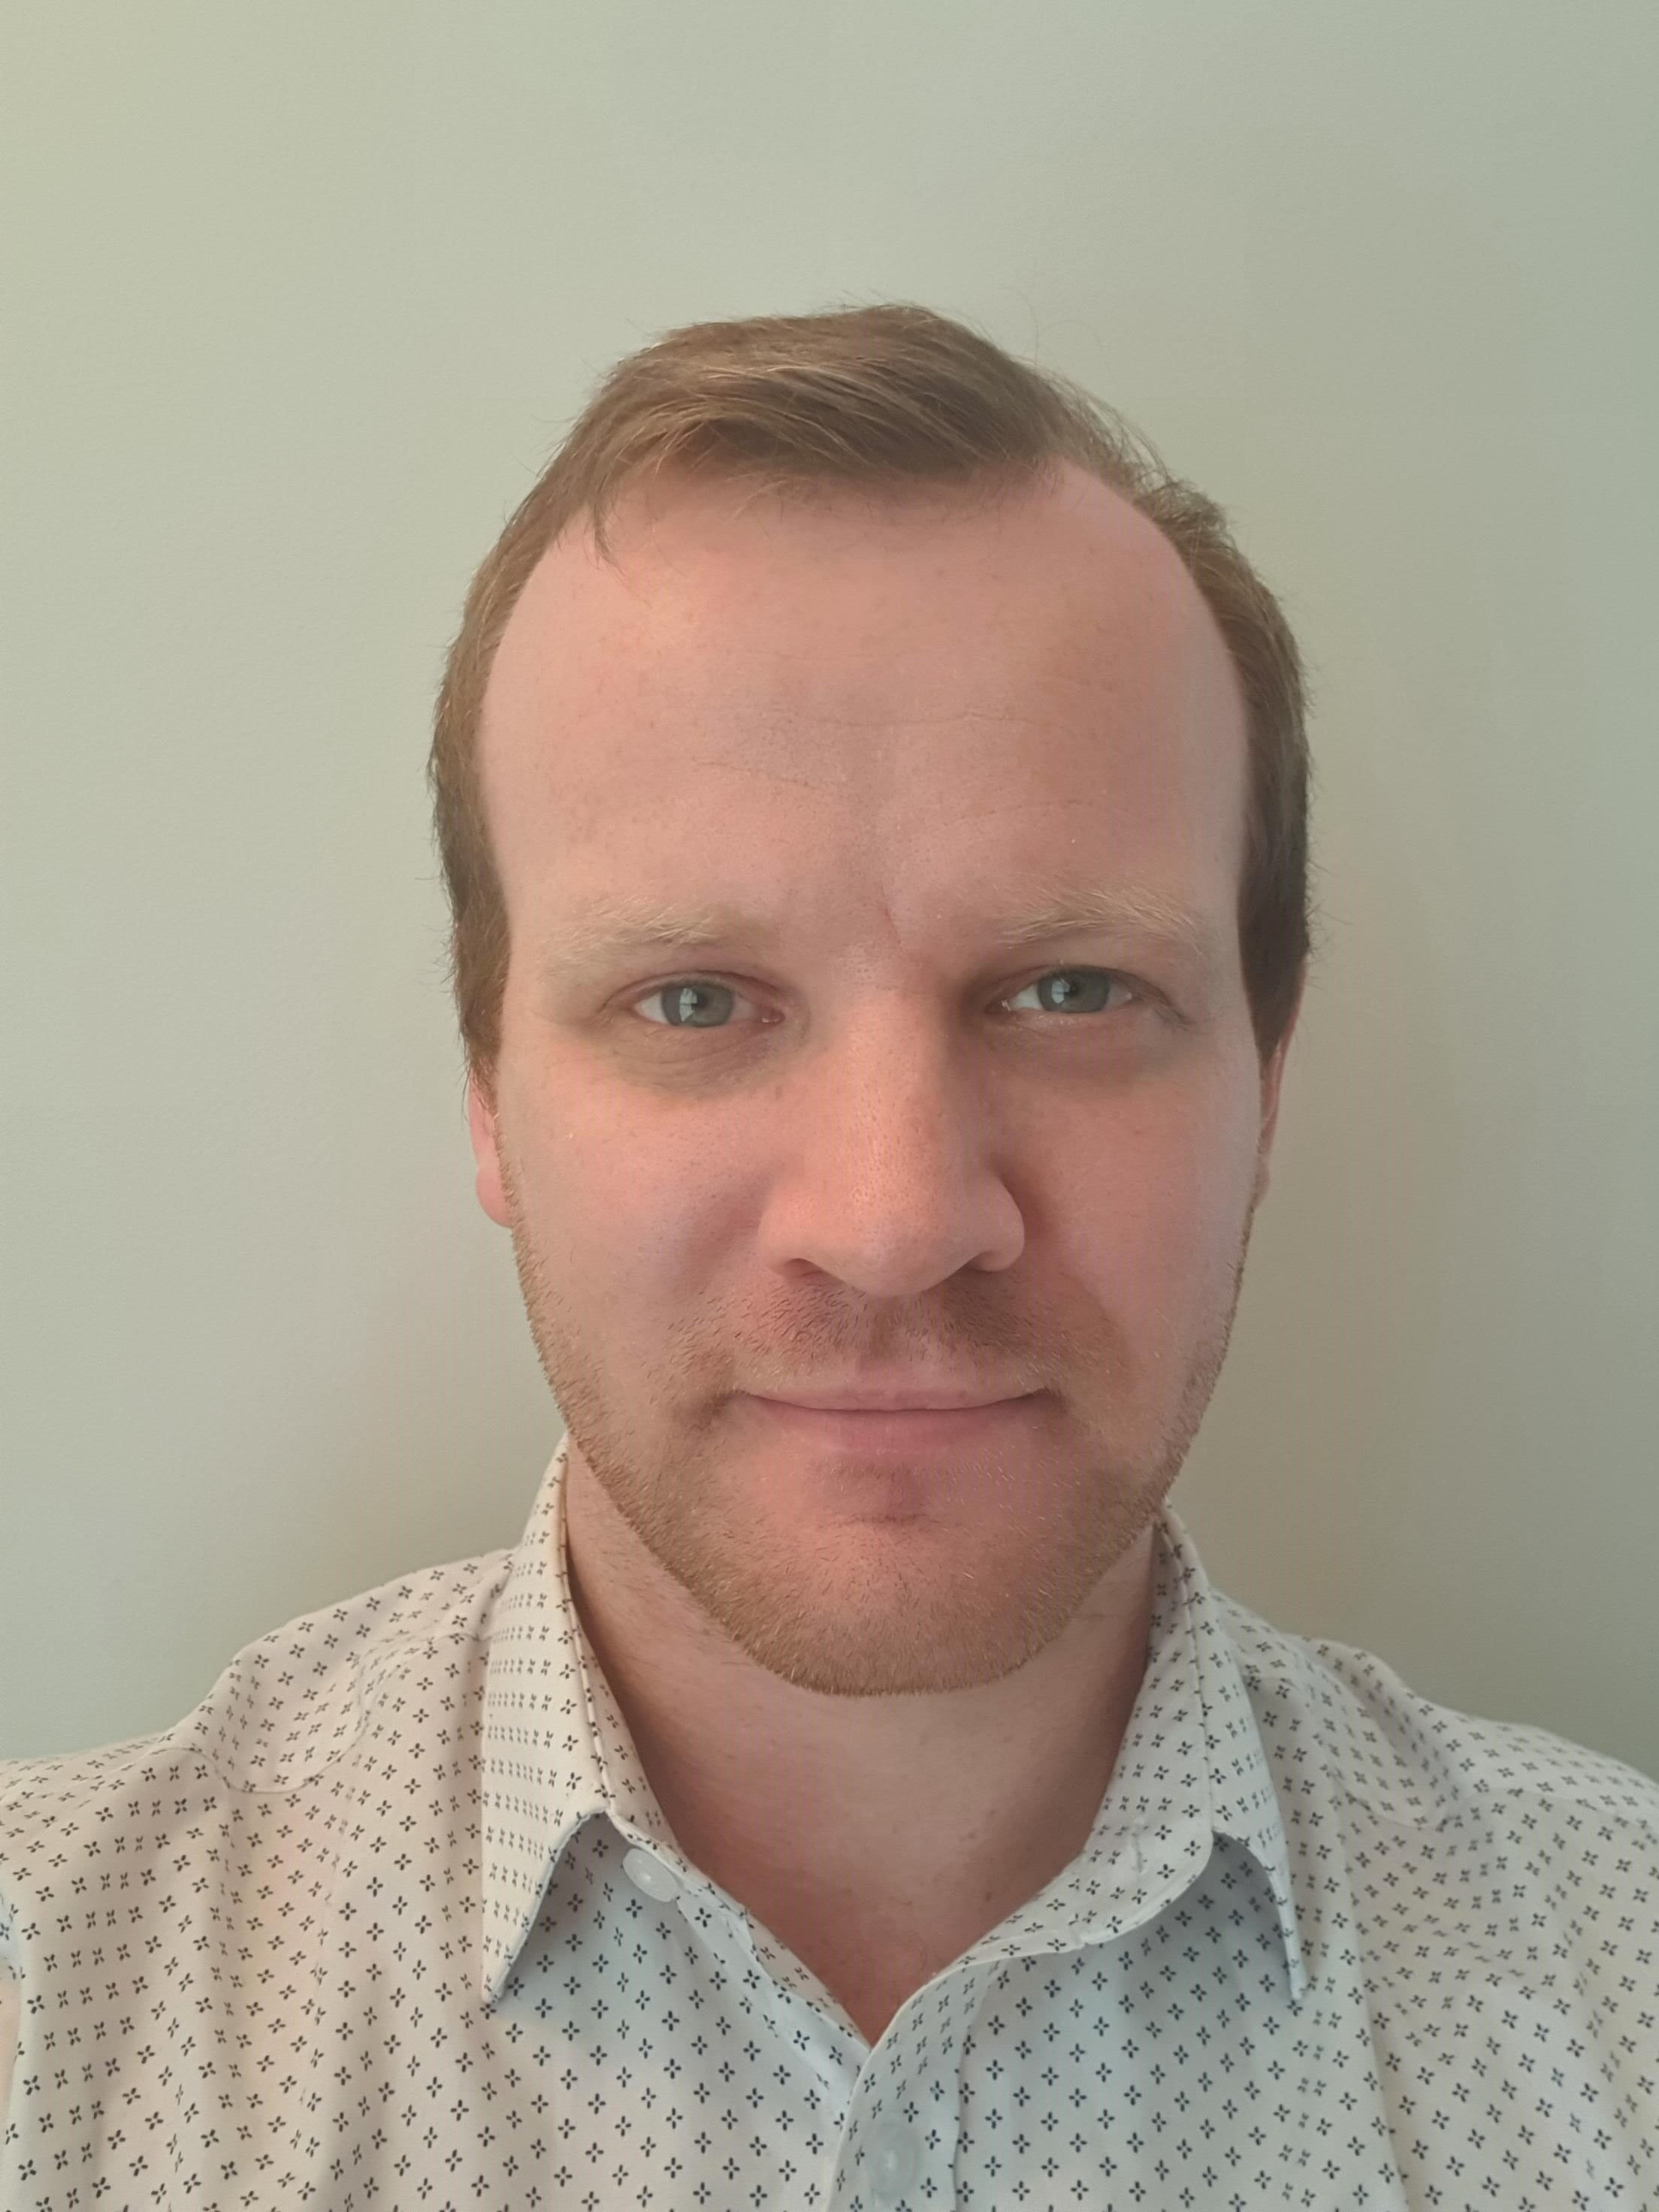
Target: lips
902,1429
897,1393
920,1403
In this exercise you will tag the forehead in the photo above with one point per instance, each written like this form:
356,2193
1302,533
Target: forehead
759,681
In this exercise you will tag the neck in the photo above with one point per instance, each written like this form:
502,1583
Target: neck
877,1837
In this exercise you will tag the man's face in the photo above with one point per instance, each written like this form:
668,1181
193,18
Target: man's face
878,1136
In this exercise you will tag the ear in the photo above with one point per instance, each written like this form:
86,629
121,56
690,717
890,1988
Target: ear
491,1183
1273,1076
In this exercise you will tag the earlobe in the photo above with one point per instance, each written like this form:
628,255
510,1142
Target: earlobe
490,1183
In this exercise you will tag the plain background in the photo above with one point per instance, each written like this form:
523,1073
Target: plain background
297,301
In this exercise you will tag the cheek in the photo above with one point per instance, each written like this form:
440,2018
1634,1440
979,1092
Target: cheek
1146,1200
1165,1196
613,1208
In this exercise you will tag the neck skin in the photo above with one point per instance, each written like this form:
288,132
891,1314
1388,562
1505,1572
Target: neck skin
876,1838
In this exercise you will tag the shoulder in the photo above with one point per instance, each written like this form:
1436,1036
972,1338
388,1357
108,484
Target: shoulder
1400,1754
285,1707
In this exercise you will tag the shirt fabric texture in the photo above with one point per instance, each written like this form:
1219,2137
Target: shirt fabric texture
392,1920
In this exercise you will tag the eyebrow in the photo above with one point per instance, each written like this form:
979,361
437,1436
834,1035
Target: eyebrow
613,929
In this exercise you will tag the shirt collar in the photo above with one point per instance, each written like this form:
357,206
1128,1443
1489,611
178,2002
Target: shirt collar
557,1752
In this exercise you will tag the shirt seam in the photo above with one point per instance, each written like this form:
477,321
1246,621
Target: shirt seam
384,1657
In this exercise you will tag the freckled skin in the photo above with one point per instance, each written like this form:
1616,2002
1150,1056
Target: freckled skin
873,1694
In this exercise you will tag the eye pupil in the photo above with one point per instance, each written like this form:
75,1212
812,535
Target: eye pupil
1063,987
674,999
1063,990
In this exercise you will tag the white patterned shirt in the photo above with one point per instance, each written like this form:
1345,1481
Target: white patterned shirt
391,1922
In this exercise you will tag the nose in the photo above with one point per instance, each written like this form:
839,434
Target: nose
885,1167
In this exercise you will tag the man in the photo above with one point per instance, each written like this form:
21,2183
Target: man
873,797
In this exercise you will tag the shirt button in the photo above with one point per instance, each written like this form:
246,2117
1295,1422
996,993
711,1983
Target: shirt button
647,1872
890,2149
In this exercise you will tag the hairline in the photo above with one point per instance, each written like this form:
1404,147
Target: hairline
701,401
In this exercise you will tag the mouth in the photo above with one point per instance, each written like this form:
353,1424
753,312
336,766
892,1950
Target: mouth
897,1430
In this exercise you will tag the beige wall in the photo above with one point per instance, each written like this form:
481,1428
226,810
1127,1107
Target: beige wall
297,299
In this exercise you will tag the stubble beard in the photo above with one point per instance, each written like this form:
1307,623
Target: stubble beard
872,1608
